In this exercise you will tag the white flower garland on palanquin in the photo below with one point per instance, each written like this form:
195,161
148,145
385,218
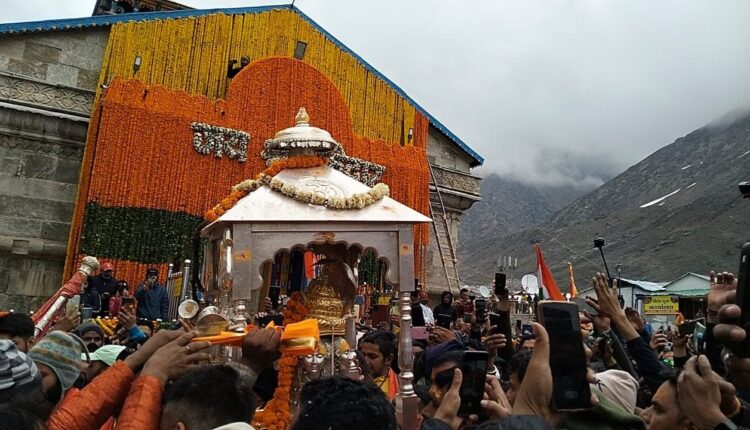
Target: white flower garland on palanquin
301,194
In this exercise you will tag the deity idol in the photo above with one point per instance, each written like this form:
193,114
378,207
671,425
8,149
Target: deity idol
334,355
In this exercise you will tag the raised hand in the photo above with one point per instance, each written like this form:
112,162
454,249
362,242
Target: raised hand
126,319
721,291
727,332
607,301
260,348
535,394
600,322
495,404
447,412
161,338
699,394
635,319
608,304
176,358
68,322
494,342
440,335
658,342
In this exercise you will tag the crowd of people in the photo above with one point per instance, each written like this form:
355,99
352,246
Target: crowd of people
139,377
104,294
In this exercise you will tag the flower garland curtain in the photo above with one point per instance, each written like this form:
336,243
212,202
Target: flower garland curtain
190,54
144,188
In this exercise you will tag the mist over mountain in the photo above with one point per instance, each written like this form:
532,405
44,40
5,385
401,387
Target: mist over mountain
509,206
678,210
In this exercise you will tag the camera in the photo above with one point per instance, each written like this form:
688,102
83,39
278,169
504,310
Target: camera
599,242
745,189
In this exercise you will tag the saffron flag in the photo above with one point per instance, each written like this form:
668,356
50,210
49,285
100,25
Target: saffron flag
572,290
545,279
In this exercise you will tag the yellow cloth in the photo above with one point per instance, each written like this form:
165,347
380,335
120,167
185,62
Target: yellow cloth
388,383
301,338
383,383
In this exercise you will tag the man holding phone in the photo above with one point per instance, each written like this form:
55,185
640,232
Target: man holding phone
153,302
464,304
105,284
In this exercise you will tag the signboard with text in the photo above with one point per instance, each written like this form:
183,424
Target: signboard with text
661,305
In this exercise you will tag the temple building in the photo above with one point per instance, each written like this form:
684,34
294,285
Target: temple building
119,131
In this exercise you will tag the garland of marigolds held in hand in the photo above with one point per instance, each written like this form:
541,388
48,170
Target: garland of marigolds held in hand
276,416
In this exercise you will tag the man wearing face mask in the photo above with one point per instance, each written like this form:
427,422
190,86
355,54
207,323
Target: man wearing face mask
105,284
92,335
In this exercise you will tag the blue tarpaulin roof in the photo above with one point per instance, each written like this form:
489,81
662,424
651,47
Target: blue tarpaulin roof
108,20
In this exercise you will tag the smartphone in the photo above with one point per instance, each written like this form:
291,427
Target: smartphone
128,304
86,313
474,371
699,333
274,291
585,307
443,320
687,328
743,299
494,320
480,309
527,330
570,388
500,289
71,307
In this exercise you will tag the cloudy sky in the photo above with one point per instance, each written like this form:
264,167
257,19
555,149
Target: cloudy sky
547,91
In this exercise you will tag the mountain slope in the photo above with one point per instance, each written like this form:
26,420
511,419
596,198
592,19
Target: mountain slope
510,206
676,211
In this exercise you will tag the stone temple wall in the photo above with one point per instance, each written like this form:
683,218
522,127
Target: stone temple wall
47,85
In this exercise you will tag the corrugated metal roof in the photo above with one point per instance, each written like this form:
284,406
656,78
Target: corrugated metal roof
108,20
644,285
698,292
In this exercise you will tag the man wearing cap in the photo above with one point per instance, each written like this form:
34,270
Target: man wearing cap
102,359
153,303
18,373
91,334
105,284
58,357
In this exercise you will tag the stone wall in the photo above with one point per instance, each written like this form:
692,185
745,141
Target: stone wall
47,85
443,152
60,58
459,190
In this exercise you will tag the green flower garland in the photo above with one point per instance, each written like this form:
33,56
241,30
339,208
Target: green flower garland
138,234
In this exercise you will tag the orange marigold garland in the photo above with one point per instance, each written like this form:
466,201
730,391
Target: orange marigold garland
136,120
276,415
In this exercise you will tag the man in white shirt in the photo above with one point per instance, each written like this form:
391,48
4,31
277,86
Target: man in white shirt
429,319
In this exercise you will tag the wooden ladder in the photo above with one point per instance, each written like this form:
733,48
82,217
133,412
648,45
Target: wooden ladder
446,246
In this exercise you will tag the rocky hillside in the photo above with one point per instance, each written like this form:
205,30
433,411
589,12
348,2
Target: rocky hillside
676,211
509,206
